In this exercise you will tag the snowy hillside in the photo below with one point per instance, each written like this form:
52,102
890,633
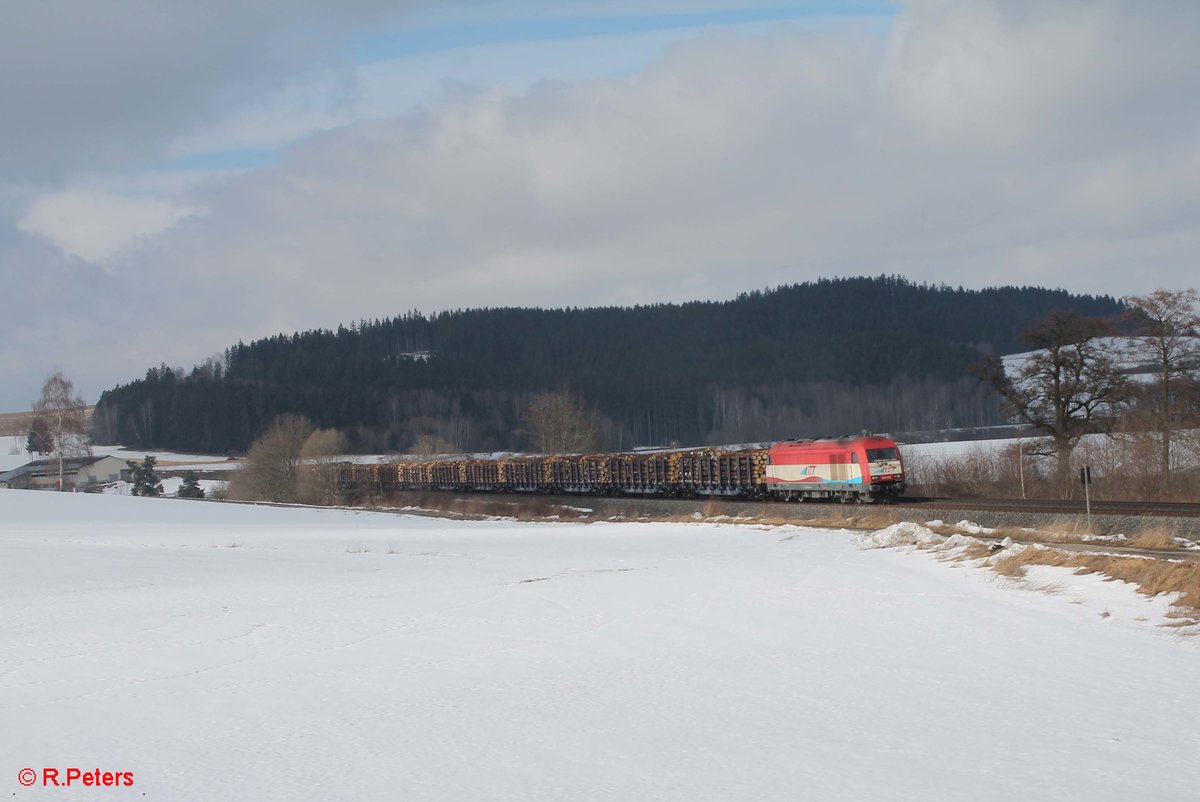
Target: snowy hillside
1130,354
225,652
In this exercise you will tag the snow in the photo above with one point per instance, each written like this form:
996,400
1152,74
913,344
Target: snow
170,487
12,453
905,533
231,652
170,459
1111,599
1129,354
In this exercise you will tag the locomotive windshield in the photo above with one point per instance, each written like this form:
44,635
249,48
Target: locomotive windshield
880,454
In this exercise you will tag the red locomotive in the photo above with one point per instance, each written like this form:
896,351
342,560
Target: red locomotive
852,466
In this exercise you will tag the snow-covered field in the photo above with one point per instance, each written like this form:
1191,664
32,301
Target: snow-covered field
170,487
224,652
170,459
13,455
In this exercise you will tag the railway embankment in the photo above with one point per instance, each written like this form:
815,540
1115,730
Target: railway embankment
1060,520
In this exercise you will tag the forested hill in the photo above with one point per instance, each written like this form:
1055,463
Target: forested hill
803,360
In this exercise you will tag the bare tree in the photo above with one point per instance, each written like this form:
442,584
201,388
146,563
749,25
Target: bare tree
559,423
104,423
428,444
272,468
1068,387
1170,343
321,451
66,418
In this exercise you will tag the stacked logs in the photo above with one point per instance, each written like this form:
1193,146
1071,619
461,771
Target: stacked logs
691,471
722,470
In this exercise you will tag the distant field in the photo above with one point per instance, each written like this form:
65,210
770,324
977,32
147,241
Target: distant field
14,423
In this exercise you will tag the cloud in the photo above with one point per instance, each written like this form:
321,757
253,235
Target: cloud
737,161
87,85
1042,76
94,225
59,313
974,143
93,86
561,190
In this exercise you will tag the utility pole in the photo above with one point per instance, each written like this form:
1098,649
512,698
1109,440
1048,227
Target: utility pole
1085,478
1021,463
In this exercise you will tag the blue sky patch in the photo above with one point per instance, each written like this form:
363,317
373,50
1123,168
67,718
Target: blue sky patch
408,40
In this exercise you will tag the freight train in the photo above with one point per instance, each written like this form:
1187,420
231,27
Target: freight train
847,469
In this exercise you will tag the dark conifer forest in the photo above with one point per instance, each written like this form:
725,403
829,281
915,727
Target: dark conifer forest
828,357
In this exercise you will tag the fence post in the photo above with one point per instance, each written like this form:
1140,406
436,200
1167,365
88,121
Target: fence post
1085,477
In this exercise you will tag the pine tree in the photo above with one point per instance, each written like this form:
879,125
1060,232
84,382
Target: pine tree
191,486
145,479
39,441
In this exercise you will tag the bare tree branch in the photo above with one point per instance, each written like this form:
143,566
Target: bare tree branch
1169,342
1071,385
559,423
66,418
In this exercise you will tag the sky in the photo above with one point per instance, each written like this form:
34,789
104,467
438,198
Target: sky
176,177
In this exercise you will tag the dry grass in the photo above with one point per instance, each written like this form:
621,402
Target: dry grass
1068,529
481,507
1014,533
1064,529
1152,576
1062,533
714,508
839,517
877,518
531,510
833,516
718,510
16,424
824,516
1154,537
1015,564
977,550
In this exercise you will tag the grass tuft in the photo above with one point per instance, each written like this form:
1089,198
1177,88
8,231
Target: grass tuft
1154,537
1014,564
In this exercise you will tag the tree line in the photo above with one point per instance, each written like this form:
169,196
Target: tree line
825,357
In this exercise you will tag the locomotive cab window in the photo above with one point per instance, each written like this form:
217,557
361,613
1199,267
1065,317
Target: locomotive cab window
880,454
